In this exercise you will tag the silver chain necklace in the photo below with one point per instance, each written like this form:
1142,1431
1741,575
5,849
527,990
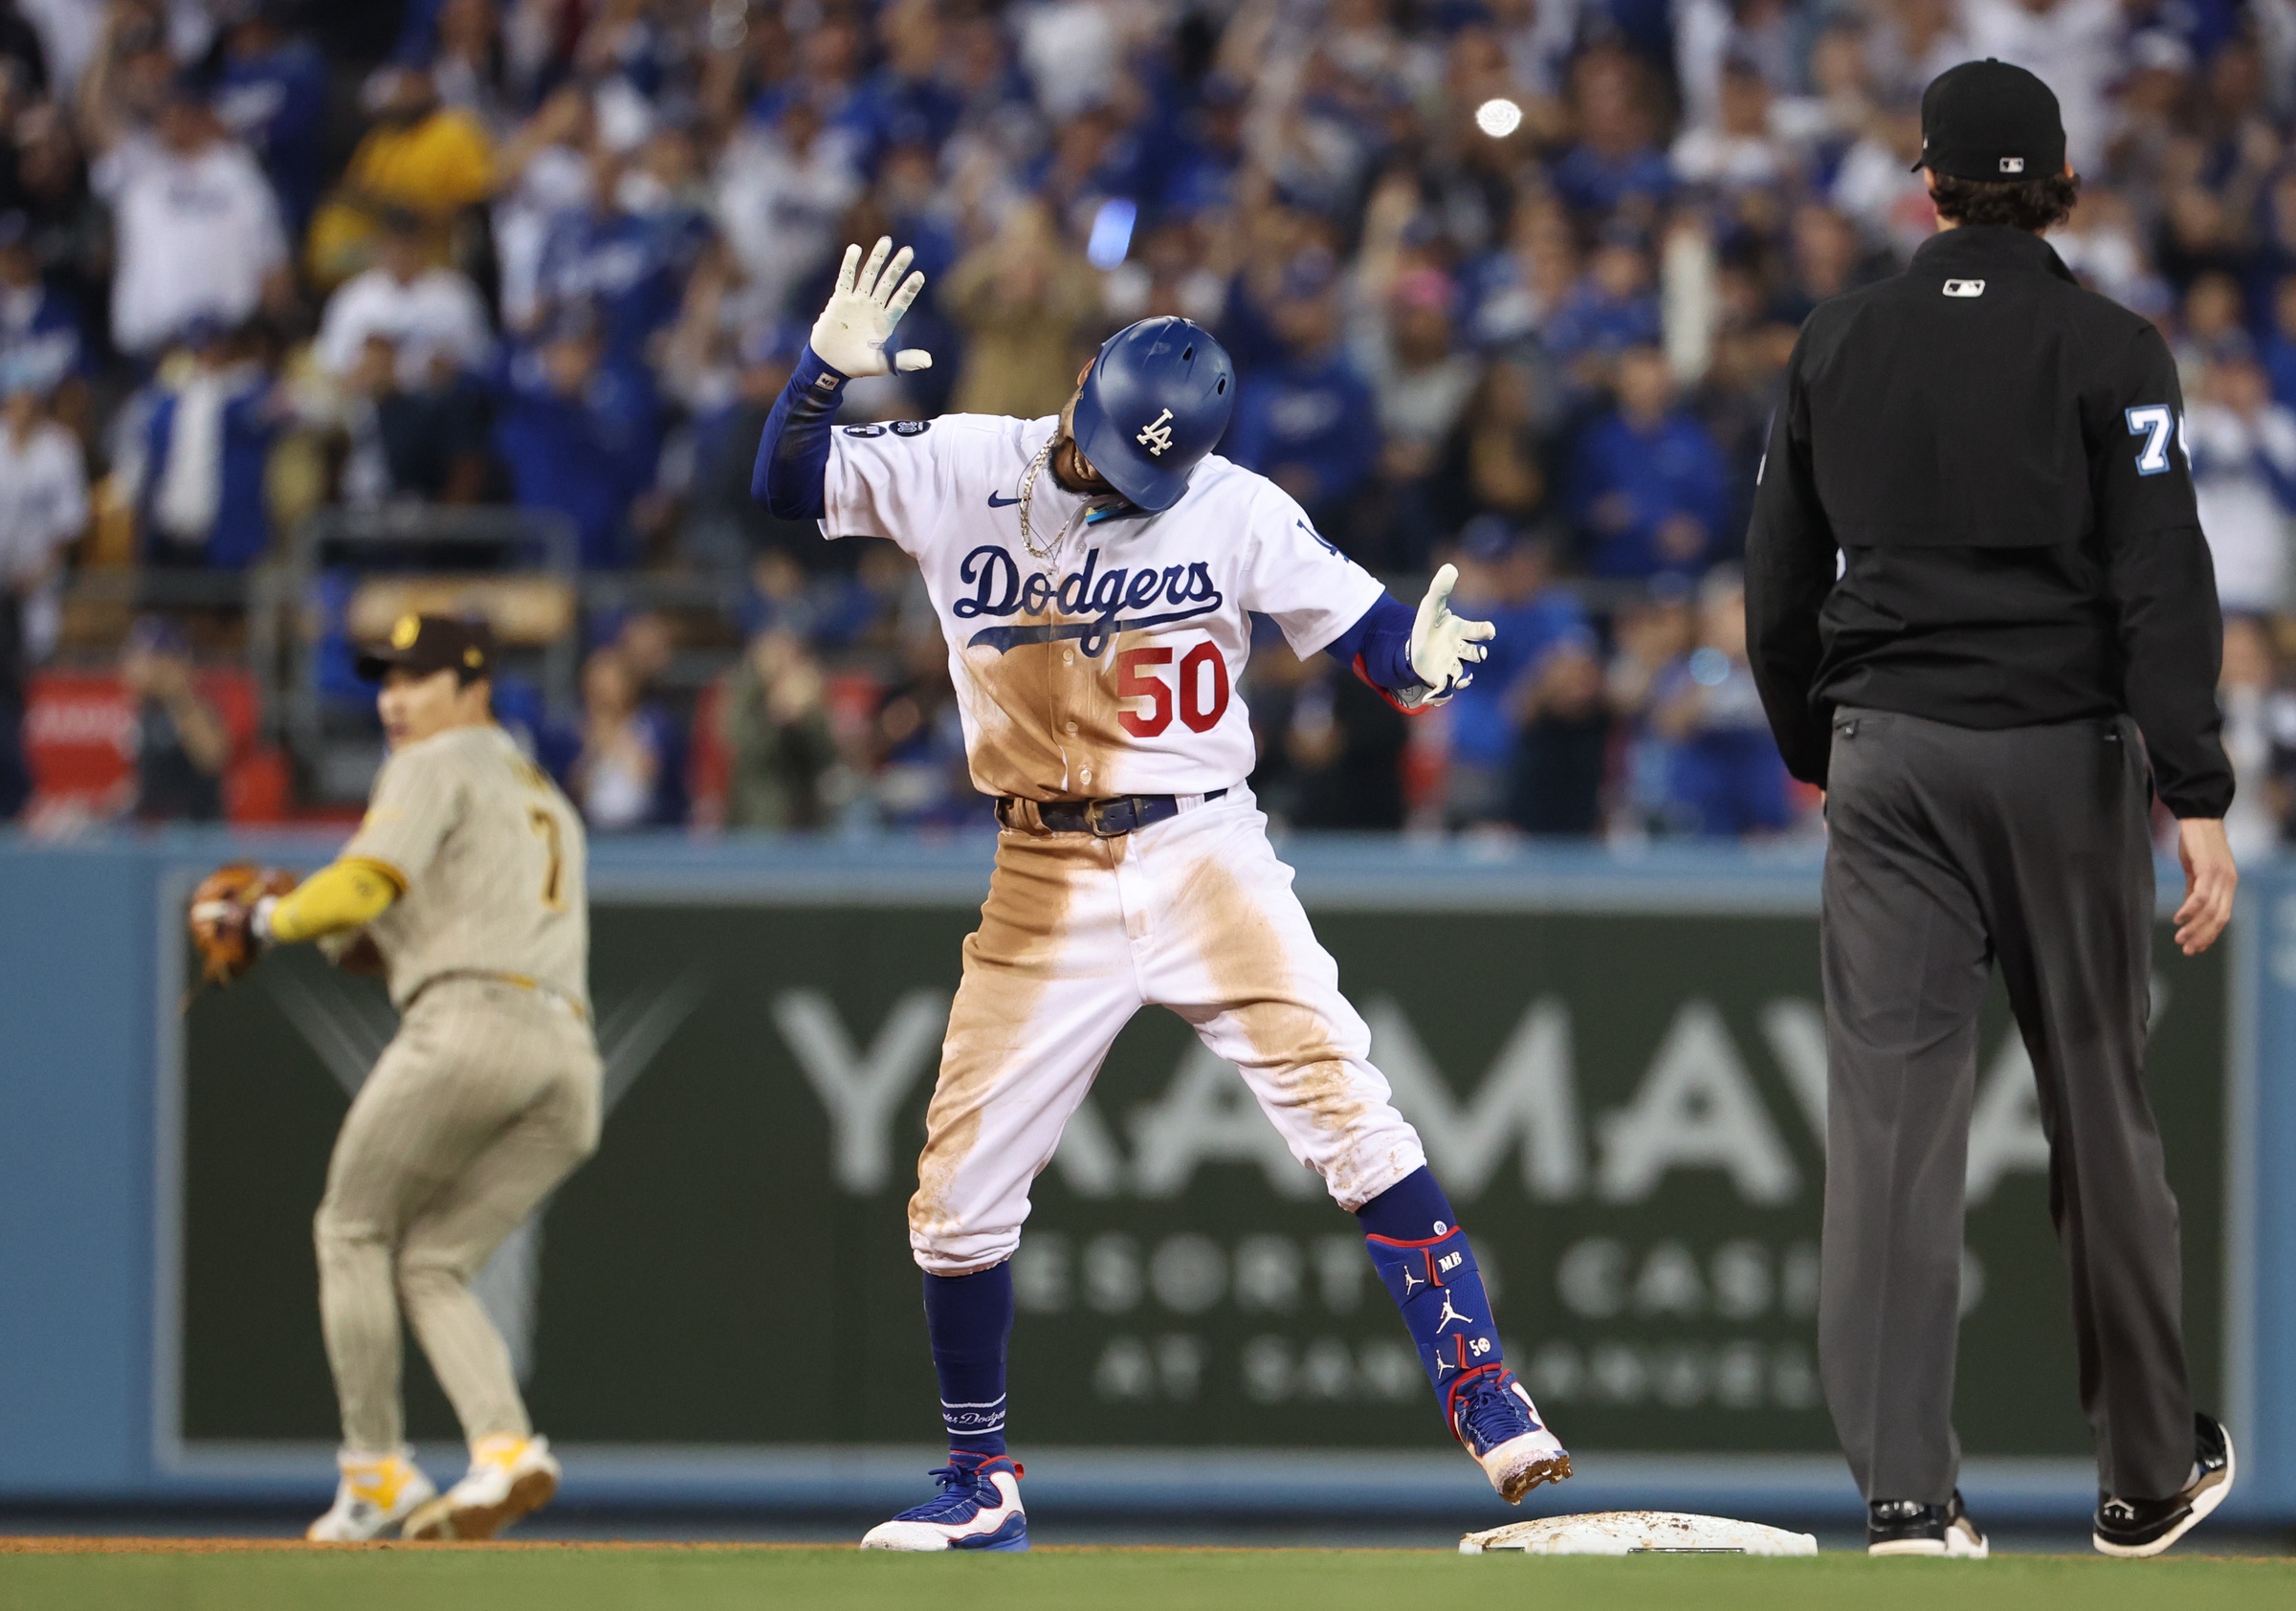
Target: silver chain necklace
1036,468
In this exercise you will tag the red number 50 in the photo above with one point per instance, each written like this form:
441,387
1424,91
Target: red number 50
1203,689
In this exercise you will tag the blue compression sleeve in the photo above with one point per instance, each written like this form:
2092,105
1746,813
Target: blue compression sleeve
794,451
1377,647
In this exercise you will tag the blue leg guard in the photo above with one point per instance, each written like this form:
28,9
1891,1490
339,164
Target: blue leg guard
1423,1255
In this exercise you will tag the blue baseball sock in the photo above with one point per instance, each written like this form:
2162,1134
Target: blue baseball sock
1420,1252
969,1318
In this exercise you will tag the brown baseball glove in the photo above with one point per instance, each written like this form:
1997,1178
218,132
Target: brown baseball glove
222,909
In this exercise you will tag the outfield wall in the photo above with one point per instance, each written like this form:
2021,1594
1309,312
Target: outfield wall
1616,1063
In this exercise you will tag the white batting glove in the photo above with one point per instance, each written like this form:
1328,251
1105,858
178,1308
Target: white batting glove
1445,648
850,334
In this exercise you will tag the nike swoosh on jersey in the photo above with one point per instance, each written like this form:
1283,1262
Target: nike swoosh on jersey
1002,639
996,503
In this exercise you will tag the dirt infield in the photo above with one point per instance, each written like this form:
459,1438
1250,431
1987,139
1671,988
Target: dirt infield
99,1545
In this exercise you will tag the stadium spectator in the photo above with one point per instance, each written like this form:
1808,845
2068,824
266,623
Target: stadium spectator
271,93
1609,308
182,745
622,773
1309,422
1724,775
1430,324
199,231
1562,758
2260,738
1649,635
427,313
2243,452
1617,166
627,255
1021,298
580,436
781,188
198,456
422,439
921,777
1652,492
43,501
1504,578
40,330
1740,151
776,732
430,159
2280,347
1420,382
1331,748
43,506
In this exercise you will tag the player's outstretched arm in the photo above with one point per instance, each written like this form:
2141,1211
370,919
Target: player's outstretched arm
848,341
1416,658
344,895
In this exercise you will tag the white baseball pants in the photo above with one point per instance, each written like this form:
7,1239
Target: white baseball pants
1195,914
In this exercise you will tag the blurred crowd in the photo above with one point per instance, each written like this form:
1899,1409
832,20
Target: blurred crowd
1507,282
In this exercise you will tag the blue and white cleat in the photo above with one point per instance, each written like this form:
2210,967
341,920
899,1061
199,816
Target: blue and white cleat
1493,1416
979,1507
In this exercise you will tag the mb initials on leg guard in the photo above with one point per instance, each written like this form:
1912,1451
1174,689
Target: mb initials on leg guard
1437,1287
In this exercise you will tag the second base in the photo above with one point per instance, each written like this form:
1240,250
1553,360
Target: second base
1636,1532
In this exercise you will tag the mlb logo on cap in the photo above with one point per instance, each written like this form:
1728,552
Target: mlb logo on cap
1974,117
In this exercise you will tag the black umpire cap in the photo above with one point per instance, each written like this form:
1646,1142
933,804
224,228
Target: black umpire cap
1988,120
424,644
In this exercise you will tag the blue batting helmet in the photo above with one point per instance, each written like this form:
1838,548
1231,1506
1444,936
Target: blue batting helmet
1154,403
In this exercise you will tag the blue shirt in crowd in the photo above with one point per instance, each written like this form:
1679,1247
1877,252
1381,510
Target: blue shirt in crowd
1482,722
1315,415
631,268
1672,467
276,104
241,531
585,456
1590,182
42,336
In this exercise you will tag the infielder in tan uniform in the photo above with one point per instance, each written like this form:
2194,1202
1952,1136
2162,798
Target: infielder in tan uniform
467,876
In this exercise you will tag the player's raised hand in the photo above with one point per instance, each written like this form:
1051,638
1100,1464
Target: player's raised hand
850,334
1445,647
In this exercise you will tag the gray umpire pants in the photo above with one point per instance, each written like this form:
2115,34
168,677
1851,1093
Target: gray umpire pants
1953,850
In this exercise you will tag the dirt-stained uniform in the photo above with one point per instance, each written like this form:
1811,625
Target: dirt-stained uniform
486,1099
1098,657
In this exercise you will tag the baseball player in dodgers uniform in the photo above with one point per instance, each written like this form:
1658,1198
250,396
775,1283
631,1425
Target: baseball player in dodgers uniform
1094,575
468,875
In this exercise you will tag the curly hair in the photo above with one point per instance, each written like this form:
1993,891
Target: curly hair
2022,203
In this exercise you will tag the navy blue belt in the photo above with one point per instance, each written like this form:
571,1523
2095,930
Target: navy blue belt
1103,819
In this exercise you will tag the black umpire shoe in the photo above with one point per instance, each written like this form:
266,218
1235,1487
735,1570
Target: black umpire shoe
2145,1527
1906,1527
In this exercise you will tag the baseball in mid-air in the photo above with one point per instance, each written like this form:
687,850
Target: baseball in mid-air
1498,117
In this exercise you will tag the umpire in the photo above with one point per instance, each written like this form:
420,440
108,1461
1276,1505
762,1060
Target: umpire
1982,617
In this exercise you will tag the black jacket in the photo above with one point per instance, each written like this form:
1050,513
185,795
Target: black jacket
1976,508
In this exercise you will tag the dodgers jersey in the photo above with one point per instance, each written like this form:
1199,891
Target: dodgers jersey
1110,667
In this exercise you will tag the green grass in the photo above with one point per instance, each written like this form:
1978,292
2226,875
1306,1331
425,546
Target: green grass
762,1579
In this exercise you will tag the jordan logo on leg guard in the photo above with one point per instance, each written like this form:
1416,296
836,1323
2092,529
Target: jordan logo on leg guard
1450,1315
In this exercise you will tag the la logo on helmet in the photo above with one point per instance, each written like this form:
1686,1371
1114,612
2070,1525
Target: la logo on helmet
1155,435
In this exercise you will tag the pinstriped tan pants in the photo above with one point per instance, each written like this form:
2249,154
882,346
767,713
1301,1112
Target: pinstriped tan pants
483,1102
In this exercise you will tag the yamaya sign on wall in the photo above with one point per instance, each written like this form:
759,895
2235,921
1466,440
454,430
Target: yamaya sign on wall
1627,1108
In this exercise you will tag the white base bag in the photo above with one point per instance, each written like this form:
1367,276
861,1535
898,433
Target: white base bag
1638,1533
